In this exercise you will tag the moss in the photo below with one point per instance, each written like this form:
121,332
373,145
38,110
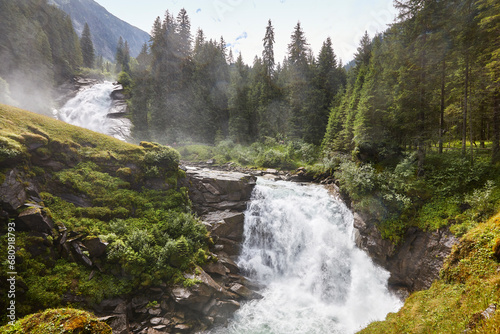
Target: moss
62,321
33,138
124,172
469,284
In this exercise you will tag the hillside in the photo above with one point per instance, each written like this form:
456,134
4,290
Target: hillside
81,204
105,28
465,299
94,223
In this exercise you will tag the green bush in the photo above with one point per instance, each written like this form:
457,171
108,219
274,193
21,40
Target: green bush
163,157
357,181
450,174
124,79
274,158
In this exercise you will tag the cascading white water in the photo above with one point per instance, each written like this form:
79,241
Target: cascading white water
89,109
299,246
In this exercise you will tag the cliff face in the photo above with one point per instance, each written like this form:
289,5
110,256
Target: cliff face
415,263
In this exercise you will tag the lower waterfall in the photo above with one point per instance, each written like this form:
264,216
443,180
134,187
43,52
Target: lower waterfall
299,246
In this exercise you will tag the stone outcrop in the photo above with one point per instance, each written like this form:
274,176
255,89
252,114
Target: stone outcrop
415,263
212,190
119,106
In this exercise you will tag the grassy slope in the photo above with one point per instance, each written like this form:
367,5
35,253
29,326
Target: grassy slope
469,284
20,126
141,225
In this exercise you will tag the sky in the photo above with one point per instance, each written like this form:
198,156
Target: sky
243,23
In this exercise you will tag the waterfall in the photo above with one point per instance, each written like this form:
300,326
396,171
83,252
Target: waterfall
89,109
299,245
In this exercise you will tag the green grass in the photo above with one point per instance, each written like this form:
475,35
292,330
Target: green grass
19,128
470,282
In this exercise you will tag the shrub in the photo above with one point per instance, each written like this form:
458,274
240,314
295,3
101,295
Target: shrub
124,79
357,181
164,157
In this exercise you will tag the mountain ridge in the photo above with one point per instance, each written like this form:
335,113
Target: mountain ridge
105,27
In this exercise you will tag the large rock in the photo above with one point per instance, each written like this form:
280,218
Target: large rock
117,322
415,263
368,238
12,192
95,246
212,190
198,295
226,224
34,219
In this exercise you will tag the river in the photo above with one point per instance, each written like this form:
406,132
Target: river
299,246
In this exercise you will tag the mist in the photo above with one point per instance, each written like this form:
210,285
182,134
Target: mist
28,91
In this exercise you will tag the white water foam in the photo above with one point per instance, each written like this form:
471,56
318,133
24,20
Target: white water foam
89,109
299,245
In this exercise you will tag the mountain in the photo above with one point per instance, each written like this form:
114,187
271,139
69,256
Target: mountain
105,28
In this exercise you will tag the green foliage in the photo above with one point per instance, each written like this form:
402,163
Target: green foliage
452,193
164,157
270,153
449,174
357,181
88,53
125,80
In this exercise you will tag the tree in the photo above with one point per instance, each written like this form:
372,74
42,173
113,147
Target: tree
240,111
184,33
119,55
268,52
298,49
490,24
87,47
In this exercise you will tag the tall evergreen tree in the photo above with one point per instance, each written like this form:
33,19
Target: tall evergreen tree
298,83
120,55
268,52
490,24
87,47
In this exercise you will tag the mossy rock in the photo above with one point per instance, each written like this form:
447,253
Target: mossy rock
61,321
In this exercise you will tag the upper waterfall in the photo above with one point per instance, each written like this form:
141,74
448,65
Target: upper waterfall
299,246
89,109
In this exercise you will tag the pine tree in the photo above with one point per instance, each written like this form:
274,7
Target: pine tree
268,52
87,47
298,82
490,24
240,120
298,49
119,55
326,82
